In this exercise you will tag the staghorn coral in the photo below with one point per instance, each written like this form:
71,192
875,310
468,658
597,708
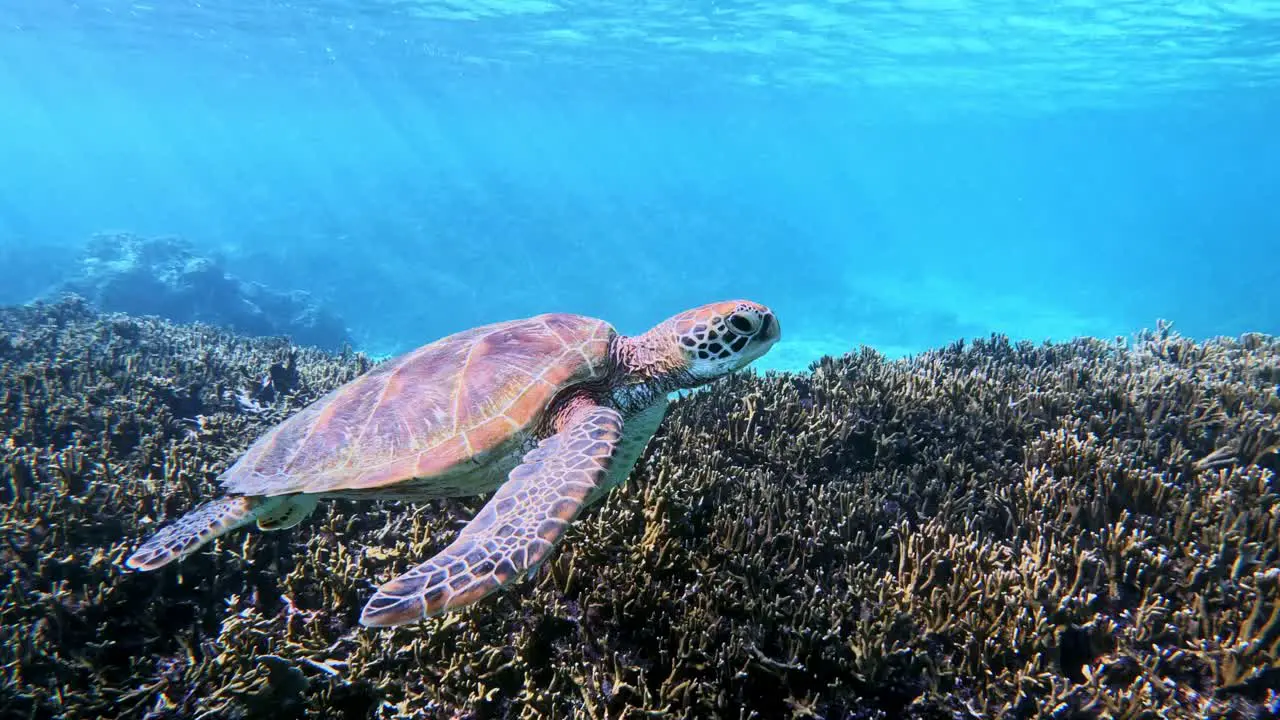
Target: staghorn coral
994,530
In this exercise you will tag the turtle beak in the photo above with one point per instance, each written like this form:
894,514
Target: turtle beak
770,332
770,329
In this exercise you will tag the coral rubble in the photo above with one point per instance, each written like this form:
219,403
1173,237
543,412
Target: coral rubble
165,277
992,530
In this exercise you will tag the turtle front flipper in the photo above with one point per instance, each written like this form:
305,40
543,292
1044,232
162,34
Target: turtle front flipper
515,531
200,526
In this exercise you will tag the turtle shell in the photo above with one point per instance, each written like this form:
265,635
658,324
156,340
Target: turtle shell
448,406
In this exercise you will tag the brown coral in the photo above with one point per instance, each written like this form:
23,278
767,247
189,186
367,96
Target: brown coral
1089,529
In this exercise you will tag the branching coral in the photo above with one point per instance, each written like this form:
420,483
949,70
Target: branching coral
993,530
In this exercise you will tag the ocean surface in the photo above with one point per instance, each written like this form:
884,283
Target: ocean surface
894,174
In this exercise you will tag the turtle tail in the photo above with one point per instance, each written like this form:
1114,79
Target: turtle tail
199,527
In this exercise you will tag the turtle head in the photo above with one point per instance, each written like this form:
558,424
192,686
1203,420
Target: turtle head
705,343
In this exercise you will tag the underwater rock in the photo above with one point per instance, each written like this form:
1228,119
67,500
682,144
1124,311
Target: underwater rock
988,530
165,277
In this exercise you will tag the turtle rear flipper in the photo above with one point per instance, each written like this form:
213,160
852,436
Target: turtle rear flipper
287,514
200,526
515,531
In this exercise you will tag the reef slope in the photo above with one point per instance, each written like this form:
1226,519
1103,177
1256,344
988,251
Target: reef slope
989,530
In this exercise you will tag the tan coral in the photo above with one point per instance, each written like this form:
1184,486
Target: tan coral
988,529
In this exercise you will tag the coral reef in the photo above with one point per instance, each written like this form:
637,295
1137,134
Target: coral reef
165,277
988,530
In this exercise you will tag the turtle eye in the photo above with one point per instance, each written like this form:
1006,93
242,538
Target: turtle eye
742,323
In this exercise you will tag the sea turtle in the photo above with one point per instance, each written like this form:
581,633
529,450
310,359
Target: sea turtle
553,411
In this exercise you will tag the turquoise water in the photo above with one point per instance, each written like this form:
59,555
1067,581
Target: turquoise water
897,174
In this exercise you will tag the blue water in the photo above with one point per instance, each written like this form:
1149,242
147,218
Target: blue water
896,174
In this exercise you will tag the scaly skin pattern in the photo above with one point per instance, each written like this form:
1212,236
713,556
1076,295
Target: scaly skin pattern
519,527
538,408
693,348
516,530
198,527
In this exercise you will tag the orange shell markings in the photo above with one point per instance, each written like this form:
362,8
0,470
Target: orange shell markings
454,401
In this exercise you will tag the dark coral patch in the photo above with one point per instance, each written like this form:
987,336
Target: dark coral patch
988,530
